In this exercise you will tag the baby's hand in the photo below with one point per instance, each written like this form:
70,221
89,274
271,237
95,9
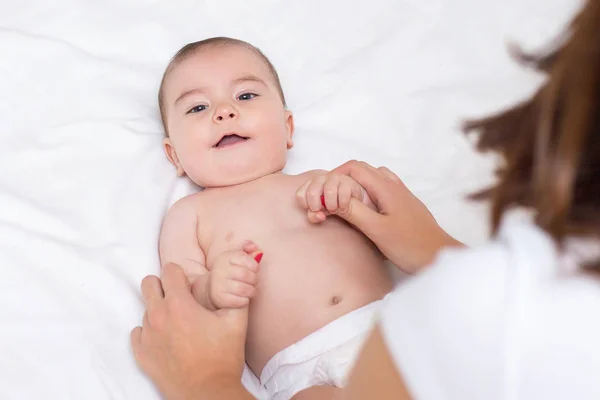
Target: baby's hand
233,277
325,194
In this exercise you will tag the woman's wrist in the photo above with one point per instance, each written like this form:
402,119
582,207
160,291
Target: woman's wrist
216,388
433,247
227,387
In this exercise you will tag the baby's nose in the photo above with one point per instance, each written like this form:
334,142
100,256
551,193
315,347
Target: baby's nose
225,112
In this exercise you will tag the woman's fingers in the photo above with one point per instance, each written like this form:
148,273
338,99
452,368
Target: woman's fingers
200,293
362,217
392,177
403,228
368,177
347,189
174,280
135,338
152,291
357,190
330,192
314,193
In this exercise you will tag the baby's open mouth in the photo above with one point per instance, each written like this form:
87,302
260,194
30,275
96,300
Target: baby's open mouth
229,140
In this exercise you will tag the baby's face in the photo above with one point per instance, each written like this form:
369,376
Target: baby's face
226,121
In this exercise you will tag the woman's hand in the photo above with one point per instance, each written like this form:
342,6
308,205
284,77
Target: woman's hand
185,349
403,228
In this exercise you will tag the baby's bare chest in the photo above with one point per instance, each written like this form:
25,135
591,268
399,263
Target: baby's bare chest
263,213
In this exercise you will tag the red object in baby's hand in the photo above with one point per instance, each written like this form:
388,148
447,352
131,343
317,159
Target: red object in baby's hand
323,200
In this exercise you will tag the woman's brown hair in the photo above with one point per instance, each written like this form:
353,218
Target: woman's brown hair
550,143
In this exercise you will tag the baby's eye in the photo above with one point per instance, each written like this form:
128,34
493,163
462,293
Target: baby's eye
196,109
247,96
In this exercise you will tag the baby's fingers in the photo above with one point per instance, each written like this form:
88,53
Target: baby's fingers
330,193
243,274
246,261
316,217
249,246
314,193
251,249
232,301
240,289
301,194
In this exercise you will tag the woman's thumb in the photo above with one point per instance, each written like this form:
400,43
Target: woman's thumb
359,215
237,318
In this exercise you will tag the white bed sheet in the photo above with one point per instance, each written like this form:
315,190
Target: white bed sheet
84,183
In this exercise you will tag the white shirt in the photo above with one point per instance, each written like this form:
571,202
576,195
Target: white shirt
513,319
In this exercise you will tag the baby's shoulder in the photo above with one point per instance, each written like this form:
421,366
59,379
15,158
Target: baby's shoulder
312,173
188,204
316,172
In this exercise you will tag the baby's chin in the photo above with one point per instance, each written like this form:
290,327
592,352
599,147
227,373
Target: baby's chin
237,178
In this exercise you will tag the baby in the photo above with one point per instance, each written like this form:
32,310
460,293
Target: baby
315,282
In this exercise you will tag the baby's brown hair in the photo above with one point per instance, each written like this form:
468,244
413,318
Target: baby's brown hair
192,48
551,142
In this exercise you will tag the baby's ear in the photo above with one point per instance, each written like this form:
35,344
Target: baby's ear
172,156
289,124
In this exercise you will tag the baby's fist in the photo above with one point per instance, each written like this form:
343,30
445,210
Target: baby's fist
328,194
233,277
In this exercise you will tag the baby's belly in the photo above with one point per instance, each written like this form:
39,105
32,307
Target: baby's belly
309,278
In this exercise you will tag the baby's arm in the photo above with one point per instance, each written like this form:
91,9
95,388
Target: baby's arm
179,244
229,282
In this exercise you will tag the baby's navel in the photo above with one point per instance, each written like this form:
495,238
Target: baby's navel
335,300
229,236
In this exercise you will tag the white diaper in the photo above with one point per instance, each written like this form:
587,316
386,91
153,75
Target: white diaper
322,358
